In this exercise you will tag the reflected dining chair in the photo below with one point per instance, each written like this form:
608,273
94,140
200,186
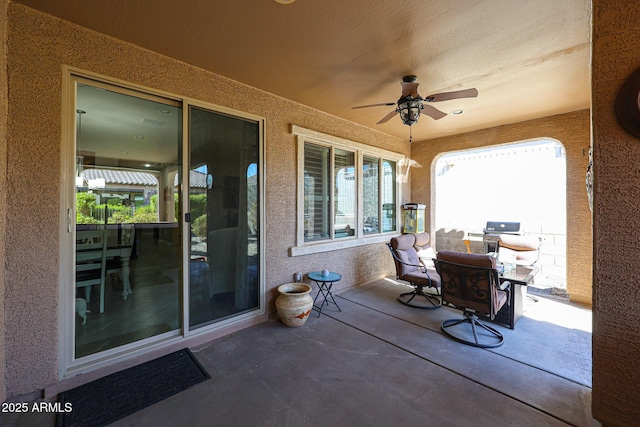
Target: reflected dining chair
91,262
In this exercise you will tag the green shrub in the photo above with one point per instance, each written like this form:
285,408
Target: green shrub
82,219
144,217
199,226
198,205
85,204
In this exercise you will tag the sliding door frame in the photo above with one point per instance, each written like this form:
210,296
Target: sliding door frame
68,366
186,167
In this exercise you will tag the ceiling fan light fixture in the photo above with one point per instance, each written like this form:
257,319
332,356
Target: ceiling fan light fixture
409,110
411,104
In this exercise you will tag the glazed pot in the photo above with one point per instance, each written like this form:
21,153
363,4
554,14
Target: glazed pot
294,303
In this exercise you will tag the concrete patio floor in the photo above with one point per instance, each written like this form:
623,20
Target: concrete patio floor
380,363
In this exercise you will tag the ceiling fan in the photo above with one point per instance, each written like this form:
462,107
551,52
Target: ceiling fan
411,104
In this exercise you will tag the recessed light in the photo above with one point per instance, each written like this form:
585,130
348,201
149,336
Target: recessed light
285,1
147,165
457,112
138,136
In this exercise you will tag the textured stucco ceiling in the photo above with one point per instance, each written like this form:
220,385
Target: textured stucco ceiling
527,58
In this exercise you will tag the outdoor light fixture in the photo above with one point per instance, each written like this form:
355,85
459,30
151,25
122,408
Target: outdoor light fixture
409,109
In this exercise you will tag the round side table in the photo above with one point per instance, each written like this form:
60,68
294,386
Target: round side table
324,288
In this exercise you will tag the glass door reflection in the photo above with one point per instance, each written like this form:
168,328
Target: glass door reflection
127,210
224,210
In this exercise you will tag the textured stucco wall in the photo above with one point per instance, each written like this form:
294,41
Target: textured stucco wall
38,47
573,131
3,177
616,330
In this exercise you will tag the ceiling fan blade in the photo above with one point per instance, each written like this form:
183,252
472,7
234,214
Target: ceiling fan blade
374,105
445,96
388,117
433,112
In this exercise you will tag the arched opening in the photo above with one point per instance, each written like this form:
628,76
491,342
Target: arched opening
522,182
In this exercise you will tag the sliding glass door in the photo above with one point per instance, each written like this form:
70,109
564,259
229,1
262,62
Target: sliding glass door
128,245
224,216
141,179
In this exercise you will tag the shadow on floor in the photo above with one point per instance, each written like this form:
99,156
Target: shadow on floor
553,335
377,363
380,363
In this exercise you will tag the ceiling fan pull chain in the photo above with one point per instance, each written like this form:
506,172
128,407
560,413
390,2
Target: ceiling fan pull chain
410,136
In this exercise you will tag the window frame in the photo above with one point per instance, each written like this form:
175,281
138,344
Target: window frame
359,238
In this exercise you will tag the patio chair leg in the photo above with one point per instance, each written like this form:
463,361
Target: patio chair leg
432,301
474,323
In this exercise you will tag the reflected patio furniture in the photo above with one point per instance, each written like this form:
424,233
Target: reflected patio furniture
409,268
470,282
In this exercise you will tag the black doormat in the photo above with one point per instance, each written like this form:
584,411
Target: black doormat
111,398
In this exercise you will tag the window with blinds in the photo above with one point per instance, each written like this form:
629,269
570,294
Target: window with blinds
344,196
316,192
331,193
388,189
370,195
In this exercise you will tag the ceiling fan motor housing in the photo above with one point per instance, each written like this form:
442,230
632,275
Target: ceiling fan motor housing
409,109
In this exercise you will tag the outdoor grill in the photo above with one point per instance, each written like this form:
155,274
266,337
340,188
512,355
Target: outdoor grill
494,229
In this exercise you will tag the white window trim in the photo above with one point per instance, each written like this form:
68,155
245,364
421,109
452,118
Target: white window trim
305,248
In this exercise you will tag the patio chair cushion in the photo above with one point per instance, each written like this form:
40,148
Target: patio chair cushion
521,250
519,243
424,249
428,278
403,246
422,241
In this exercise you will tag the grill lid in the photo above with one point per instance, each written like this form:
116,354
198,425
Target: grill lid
502,227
